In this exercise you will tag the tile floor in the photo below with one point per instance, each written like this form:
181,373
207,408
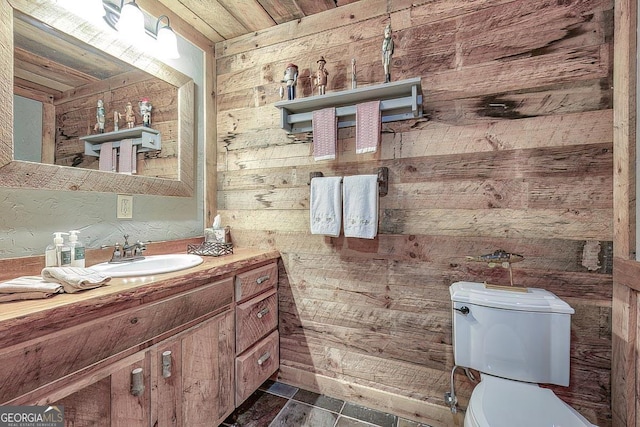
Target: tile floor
277,404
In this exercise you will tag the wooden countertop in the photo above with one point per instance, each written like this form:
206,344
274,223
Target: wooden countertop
37,317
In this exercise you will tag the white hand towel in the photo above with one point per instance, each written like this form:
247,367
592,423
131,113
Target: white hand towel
360,194
74,279
325,208
26,284
21,296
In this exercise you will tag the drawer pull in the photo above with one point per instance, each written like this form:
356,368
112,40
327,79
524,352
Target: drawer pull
137,382
166,364
264,358
260,280
263,312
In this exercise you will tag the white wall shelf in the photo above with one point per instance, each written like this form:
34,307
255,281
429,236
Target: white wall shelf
145,138
401,100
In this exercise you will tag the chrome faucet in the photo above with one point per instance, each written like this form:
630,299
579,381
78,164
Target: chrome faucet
127,252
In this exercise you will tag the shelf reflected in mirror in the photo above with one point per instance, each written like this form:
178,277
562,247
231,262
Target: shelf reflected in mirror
59,78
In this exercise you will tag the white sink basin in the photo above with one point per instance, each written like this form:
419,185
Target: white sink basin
154,264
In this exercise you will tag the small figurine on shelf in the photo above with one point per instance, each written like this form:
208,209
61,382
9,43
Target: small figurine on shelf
291,79
100,119
129,116
321,76
387,53
116,120
145,111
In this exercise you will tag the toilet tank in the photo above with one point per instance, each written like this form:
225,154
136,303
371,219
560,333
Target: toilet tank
521,335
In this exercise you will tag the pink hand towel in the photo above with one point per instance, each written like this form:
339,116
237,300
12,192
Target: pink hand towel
108,154
367,127
325,134
128,158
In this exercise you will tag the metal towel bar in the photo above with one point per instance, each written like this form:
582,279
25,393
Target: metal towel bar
383,179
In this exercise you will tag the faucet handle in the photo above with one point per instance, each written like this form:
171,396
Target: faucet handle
117,253
139,248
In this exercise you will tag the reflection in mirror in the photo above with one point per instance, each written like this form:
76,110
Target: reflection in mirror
62,67
51,67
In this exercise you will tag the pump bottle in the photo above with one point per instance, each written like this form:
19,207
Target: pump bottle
58,254
77,249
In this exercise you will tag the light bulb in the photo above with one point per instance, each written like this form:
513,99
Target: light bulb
167,43
131,22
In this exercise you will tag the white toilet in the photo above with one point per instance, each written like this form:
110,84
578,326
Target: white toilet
515,339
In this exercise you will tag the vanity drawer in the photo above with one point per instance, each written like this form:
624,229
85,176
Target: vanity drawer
255,319
255,281
256,366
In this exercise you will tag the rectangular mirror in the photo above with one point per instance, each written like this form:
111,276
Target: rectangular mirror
53,55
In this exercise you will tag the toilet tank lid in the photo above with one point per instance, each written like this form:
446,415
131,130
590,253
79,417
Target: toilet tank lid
533,299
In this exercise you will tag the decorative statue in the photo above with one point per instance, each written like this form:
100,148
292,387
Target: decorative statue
145,111
321,76
116,120
387,53
291,79
129,116
100,119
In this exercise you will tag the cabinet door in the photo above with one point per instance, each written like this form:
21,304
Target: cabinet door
193,375
166,391
131,407
207,372
89,406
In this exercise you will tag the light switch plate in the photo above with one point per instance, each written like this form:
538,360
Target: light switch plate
124,207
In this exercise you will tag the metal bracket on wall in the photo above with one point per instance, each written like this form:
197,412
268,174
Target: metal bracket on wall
383,179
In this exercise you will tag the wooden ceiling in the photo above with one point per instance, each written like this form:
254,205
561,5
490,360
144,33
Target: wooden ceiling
220,20
47,64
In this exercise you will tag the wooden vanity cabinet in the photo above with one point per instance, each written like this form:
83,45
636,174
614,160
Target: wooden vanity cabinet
187,381
199,353
257,340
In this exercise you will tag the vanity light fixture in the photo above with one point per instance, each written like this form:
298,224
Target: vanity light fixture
128,20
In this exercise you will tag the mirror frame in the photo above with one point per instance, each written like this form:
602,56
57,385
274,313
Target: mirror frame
30,175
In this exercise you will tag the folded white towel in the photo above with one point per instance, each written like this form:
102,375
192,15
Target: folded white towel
74,279
360,194
325,207
27,284
21,296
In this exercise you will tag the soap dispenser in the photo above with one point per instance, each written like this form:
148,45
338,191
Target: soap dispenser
77,249
58,254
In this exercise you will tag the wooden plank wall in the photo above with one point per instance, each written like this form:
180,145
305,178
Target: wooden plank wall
76,115
514,152
626,274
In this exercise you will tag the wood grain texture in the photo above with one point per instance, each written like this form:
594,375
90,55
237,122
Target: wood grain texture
55,355
255,318
626,283
207,372
515,151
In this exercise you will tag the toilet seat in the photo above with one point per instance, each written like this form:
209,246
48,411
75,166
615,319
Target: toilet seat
498,402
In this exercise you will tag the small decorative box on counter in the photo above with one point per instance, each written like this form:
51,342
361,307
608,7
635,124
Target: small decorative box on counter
211,249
